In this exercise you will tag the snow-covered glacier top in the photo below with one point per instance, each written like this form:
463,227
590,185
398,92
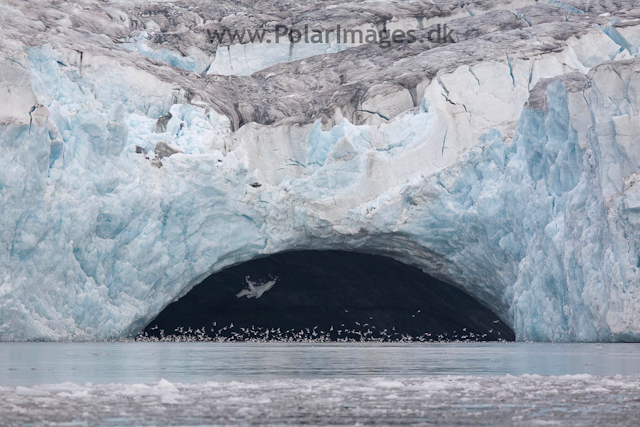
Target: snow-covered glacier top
137,157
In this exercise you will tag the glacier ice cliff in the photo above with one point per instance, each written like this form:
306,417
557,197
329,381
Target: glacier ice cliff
506,164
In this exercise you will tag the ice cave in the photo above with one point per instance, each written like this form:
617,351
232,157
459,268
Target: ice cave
326,296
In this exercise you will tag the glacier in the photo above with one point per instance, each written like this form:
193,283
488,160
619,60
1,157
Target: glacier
506,164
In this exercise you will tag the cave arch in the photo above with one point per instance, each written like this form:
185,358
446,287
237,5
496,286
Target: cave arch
327,296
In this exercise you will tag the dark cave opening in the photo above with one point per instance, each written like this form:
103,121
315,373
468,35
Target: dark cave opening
326,296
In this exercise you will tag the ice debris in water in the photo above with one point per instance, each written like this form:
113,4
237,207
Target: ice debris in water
449,400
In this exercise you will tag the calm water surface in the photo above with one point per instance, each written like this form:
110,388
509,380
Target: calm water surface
50,363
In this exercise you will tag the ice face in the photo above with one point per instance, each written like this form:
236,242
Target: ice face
140,45
244,59
514,177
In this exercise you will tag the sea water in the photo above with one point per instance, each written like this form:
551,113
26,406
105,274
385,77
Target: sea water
345,384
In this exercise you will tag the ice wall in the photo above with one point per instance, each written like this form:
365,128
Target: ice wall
244,59
514,179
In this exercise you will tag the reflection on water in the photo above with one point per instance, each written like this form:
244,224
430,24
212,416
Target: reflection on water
49,363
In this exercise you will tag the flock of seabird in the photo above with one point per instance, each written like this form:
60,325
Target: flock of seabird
361,333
